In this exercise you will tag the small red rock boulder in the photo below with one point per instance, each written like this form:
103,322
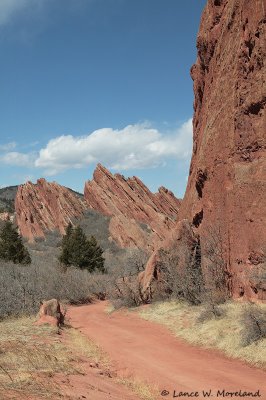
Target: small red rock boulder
51,313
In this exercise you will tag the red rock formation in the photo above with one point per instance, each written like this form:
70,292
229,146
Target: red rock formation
51,313
45,207
5,216
131,204
226,190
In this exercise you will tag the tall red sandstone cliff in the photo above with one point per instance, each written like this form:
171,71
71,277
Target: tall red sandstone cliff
45,207
139,218
226,190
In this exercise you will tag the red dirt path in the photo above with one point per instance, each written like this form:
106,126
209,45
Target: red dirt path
148,352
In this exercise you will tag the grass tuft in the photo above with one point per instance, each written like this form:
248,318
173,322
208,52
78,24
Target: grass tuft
141,389
29,356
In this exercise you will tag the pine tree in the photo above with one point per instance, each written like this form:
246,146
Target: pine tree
96,259
65,254
80,252
78,248
12,247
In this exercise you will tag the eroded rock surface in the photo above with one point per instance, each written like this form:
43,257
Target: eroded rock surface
5,216
51,313
45,207
226,191
139,218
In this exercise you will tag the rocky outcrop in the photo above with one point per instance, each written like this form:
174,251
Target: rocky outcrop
45,207
226,191
5,216
139,218
51,313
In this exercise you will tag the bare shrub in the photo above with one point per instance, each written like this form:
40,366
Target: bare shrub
253,320
180,274
257,277
52,240
124,287
217,276
194,270
211,311
23,287
98,285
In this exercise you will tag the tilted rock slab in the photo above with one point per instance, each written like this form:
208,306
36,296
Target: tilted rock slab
139,218
226,191
45,206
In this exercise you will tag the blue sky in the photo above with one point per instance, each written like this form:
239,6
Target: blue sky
87,81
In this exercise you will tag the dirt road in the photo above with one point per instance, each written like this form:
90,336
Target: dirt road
149,352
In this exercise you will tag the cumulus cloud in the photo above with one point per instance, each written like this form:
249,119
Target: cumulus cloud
8,146
14,158
134,147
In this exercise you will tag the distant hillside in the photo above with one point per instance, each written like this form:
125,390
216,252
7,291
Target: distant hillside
81,195
7,198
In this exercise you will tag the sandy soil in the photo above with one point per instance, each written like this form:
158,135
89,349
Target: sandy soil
146,351
92,386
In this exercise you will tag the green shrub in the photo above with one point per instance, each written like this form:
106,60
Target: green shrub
12,247
81,252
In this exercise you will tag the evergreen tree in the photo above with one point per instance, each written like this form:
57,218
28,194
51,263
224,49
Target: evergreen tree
12,247
65,254
78,249
80,252
96,259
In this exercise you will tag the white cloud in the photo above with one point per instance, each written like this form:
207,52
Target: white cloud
9,8
8,146
17,159
134,147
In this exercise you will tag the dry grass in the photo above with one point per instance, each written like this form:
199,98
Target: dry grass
141,389
222,333
29,357
81,344
110,309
